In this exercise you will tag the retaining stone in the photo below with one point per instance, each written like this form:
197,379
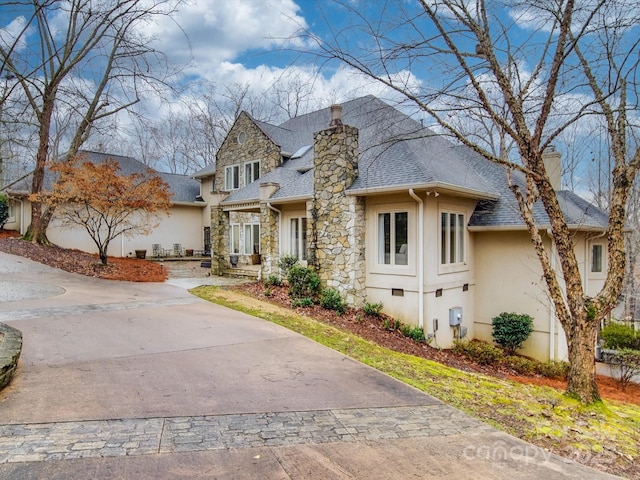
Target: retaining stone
10,348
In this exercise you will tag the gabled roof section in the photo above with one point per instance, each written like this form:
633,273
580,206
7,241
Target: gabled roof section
397,153
206,171
504,213
184,188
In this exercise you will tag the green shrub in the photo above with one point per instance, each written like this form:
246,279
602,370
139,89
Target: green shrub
303,282
510,330
522,365
625,365
286,262
304,302
390,324
553,369
272,281
331,300
267,292
413,332
480,352
4,211
372,309
618,336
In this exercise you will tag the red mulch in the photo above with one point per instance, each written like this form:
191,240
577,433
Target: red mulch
373,328
128,269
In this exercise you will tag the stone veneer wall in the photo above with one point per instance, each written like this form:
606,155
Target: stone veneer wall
256,146
219,244
269,240
337,247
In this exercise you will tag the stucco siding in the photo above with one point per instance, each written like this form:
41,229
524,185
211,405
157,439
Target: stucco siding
183,225
509,279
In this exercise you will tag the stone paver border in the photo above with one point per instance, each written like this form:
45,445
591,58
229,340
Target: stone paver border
105,438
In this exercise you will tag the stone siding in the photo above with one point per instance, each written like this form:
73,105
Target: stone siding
338,220
256,146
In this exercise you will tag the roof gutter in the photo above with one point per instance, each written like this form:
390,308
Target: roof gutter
444,187
420,257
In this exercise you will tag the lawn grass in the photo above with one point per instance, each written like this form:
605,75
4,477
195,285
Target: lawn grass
605,435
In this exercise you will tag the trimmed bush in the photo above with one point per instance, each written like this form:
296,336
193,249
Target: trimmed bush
553,369
303,282
625,365
480,352
272,281
510,330
618,336
286,262
303,302
373,309
331,300
390,324
522,365
413,332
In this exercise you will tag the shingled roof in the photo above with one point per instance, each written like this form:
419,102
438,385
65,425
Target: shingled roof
398,153
184,189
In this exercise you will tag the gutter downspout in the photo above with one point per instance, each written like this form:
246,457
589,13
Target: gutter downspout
552,310
420,257
22,229
279,212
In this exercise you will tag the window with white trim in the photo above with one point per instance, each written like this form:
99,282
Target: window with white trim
251,172
12,211
234,238
393,238
251,238
298,237
596,258
452,231
232,177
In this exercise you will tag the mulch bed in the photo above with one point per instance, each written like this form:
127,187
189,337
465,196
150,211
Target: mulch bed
129,269
373,328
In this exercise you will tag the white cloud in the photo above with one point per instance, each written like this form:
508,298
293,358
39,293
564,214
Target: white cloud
13,34
206,33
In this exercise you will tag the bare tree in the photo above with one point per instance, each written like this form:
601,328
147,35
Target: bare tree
550,63
92,56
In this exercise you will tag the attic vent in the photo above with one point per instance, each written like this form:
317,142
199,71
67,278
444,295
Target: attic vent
242,137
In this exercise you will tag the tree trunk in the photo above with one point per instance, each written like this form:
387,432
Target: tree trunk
581,340
38,223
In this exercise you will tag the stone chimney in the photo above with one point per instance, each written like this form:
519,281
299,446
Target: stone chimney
336,247
336,116
552,164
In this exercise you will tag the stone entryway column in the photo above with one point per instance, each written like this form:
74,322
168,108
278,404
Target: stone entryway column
219,234
269,230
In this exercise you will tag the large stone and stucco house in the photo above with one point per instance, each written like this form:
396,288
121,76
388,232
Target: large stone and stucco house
388,211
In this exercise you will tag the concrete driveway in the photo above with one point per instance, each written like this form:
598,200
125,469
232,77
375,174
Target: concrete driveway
126,380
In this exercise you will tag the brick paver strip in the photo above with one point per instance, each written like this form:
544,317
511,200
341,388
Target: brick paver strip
69,440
